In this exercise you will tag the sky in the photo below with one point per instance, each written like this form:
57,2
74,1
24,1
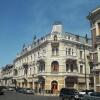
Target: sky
20,20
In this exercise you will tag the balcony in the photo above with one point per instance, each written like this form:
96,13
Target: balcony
41,72
74,73
55,43
71,57
96,68
40,57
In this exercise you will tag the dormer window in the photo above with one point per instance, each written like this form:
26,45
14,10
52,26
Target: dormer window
77,37
55,37
68,37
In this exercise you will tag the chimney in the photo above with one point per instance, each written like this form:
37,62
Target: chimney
57,27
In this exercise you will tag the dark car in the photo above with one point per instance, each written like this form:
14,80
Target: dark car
69,94
1,90
20,90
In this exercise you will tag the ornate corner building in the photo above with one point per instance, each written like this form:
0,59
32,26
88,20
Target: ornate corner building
59,59
94,18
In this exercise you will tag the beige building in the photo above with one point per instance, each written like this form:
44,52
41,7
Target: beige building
7,76
94,18
59,59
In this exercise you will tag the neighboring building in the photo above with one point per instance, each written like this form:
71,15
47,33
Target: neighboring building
7,75
59,59
0,76
94,18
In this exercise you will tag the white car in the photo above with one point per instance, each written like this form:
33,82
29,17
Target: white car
28,91
83,92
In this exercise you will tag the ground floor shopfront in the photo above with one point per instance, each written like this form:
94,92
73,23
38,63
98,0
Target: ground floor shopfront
53,84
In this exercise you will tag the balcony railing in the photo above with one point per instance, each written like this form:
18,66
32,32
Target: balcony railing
71,56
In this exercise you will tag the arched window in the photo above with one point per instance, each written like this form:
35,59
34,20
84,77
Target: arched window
54,66
55,37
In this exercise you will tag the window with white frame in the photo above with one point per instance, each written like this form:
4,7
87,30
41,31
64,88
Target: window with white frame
55,51
81,69
69,51
81,54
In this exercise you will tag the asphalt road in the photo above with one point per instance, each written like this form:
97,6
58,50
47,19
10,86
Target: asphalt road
10,95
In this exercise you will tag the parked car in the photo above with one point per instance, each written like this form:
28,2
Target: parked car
29,91
11,88
92,96
83,92
69,94
20,90
1,90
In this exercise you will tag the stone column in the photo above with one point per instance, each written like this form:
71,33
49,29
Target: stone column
87,83
94,82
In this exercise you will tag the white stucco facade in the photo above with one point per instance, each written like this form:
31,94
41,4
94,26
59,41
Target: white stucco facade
57,60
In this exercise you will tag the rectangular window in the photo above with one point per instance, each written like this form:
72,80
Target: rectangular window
72,68
72,52
67,67
81,68
81,53
55,51
69,51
